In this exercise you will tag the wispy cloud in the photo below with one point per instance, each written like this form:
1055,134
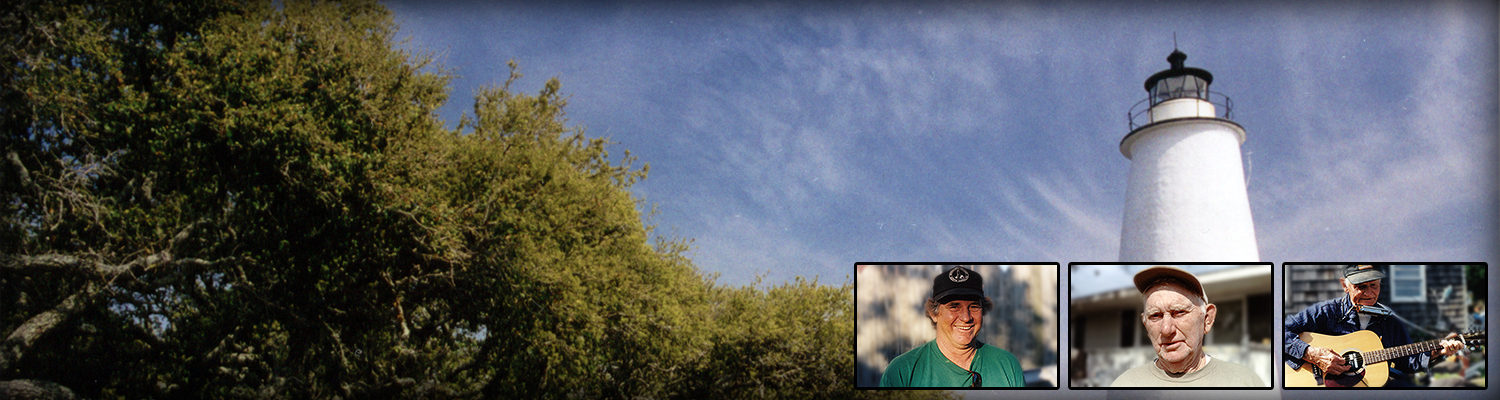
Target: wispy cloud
1063,218
797,140
1385,182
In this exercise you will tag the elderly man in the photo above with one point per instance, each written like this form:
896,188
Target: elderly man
1177,317
955,358
1356,311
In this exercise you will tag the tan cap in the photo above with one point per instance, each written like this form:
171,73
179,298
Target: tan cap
1149,276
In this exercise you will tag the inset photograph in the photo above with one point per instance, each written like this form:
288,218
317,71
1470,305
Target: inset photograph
1384,325
1171,326
956,326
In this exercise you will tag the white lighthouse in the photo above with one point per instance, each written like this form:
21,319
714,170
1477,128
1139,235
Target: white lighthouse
1185,199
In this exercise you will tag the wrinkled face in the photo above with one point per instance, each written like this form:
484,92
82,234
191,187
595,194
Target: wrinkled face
1363,294
958,321
1176,323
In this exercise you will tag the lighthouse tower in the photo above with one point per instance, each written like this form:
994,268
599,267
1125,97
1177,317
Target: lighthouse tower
1185,199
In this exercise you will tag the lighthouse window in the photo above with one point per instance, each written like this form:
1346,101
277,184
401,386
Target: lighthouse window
1178,87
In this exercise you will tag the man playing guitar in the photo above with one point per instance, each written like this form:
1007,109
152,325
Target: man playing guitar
1344,315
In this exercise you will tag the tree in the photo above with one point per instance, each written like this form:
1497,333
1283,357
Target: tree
199,205
257,200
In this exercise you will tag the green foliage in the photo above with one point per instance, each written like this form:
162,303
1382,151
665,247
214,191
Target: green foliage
788,341
257,200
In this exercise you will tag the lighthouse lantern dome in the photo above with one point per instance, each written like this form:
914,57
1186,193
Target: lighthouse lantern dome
1178,81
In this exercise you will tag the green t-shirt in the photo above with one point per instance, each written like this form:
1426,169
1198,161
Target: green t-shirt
1217,373
925,366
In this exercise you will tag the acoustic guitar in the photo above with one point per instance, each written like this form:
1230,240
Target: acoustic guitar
1364,355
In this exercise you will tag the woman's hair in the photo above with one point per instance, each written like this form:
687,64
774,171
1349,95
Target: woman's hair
931,305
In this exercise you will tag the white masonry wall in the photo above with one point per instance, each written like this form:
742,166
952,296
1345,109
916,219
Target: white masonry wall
1185,199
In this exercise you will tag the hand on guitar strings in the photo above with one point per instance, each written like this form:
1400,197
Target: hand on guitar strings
1331,363
1451,345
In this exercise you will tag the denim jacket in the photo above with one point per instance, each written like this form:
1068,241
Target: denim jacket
1337,317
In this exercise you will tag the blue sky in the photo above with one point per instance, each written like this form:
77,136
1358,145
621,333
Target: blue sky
795,140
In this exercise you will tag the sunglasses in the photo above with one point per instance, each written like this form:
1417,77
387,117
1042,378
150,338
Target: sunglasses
976,379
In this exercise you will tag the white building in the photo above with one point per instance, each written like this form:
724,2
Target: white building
1185,199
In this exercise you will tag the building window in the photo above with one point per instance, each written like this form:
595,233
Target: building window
1229,327
1129,319
1408,283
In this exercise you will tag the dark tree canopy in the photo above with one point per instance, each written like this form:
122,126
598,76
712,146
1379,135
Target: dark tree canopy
225,199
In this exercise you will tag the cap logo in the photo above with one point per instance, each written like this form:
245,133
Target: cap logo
958,275
1365,267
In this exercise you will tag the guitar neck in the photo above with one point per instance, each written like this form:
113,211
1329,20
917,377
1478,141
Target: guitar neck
1402,351
1406,350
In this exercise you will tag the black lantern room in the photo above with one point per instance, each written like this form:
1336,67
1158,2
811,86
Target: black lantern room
1178,81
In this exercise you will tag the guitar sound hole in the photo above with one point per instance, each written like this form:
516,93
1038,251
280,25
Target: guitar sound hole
1355,361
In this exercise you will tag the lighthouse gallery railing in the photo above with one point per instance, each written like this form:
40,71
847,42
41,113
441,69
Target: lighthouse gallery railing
1140,113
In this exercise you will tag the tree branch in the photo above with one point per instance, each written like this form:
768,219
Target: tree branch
64,261
23,337
34,389
46,262
400,311
23,176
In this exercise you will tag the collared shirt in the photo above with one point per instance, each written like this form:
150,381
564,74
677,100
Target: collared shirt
926,366
1337,317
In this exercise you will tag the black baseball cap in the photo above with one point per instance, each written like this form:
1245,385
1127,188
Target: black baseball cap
958,283
1357,274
